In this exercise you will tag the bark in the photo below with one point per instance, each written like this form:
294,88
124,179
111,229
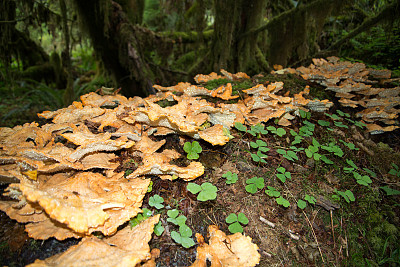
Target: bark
115,42
232,19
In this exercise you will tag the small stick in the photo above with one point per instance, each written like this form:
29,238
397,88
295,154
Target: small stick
315,236
267,222
333,230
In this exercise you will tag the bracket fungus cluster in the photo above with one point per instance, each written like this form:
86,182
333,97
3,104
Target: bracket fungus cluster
355,86
65,179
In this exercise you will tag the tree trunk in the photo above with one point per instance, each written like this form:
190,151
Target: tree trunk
115,42
232,19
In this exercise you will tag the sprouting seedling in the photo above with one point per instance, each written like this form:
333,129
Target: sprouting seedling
290,155
272,192
352,167
362,179
183,237
231,178
390,191
258,130
297,138
240,127
193,149
283,174
324,123
253,184
333,116
343,114
207,191
304,114
333,148
340,124
395,170
146,213
307,129
150,188
347,195
262,147
279,132
312,150
349,145
174,218
282,201
235,222
303,203
155,201
158,229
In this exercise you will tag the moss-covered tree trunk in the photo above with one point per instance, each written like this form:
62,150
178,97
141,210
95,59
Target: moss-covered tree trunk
232,19
115,42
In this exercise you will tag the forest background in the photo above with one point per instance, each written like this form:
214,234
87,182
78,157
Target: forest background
51,52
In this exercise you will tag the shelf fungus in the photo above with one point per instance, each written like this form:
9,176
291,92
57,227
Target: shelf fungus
128,247
355,86
234,250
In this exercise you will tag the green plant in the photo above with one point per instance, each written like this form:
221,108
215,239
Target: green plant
304,114
207,191
333,148
253,184
158,229
302,204
257,129
272,192
360,179
351,146
235,222
340,124
261,147
231,178
312,150
174,218
155,201
278,131
290,155
183,237
347,195
282,201
240,127
146,213
395,170
283,174
150,188
390,191
324,123
193,149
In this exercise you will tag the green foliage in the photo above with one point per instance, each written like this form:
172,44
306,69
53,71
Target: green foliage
282,201
155,201
174,218
253,184
333,148
192,149
290,155
261,147
395,170
301,204
324,123
304,114
312,150
272,192
236,222
150,188
183,237
351,146
390,191
158,229
231,178
207,191
240,127
257,129
347,195
278,131
283,174
146,213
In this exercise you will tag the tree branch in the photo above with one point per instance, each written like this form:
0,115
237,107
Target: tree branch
389,11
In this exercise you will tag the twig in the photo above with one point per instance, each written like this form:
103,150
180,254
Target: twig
271,224
333,230
315,236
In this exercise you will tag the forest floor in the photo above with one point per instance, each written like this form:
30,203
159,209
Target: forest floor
328,227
